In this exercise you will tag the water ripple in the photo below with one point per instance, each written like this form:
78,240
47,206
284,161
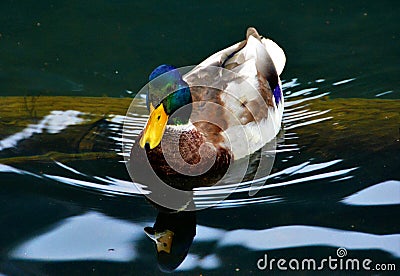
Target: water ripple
299,171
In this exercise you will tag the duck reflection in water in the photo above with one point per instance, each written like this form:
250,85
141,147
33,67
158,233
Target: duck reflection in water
173,234
226,109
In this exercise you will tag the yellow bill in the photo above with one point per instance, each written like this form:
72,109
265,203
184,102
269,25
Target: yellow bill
155,127
163,239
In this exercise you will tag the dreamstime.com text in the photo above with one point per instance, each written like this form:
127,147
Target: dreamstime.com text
339,263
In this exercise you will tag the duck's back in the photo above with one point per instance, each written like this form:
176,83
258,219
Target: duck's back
237,95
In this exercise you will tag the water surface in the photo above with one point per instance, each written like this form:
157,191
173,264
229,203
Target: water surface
86,217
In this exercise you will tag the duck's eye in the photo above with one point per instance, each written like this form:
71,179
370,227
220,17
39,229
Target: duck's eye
165,244
158,117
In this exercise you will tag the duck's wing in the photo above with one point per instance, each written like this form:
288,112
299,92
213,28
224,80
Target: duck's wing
242,82
269,57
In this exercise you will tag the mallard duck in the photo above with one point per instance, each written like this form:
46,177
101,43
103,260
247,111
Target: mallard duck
224,109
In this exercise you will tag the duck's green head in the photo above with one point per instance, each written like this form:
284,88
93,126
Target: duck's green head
168,100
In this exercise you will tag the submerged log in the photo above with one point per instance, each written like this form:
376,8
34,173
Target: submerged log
368,125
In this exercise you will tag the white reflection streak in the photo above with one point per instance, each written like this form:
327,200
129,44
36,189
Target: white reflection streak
384,93
53,123
285,150
295,113
304,179
8,169
291,103
234,203
285,171
244,188
343,81
308,123
319,166
306,116
301,168
301,92
68,168
120,182
292,109
111,190
290,84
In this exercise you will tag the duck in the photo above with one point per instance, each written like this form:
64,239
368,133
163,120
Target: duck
217,113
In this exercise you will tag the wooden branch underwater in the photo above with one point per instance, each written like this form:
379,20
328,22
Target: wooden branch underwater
30,129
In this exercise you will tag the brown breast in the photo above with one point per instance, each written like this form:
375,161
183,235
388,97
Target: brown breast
183,160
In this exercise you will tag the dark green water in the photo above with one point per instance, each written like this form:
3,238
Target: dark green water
96,48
